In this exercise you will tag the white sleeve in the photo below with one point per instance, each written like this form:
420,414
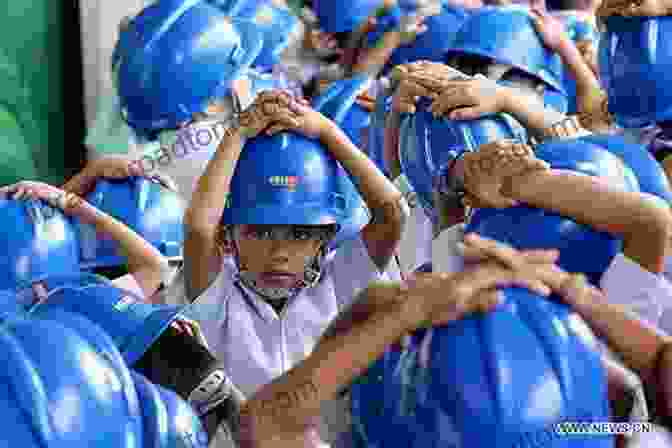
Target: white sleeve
352,270
627,283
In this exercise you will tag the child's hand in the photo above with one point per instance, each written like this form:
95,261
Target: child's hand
305,120
633,8
551,30
269,108
487,170
57,198
470,99
422,78
477,249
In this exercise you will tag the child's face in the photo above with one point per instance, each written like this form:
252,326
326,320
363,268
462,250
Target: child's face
280,262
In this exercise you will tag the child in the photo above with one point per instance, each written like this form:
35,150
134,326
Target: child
189,123
373,323
263,309
146,266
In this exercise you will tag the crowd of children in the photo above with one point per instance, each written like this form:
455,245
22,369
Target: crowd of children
397,223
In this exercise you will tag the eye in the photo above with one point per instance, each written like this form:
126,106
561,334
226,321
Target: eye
302,234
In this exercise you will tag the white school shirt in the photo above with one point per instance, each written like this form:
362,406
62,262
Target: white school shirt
415,247
256,345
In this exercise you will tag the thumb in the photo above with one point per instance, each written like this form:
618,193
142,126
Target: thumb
467,113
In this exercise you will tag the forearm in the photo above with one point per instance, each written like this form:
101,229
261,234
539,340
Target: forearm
593,201
586,81
530,111
209,199
637,344
141,256
284,408
373,60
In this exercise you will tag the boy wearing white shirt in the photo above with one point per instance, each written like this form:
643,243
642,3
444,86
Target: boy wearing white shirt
263,308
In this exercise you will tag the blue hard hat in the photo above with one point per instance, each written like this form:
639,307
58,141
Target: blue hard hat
145,206
433,43
276,24
338,104
634,58
10,305
428,144
132,323
508,377
70,395
178,55
22,433
39,241
649,173
169,421
507,35
344,15
581,248
285,179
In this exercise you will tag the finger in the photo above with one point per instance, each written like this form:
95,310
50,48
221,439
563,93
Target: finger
484,302
541,256
494,249
275,129
467,113
410,88
457,98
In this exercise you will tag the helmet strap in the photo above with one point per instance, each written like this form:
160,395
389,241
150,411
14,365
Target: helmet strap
312,275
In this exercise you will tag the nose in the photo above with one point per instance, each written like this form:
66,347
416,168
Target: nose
279,252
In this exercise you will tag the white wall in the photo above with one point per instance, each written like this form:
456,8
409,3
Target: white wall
100,20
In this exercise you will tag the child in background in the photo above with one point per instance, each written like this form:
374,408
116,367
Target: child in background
147,268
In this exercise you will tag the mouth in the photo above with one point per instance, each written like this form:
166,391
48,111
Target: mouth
280,278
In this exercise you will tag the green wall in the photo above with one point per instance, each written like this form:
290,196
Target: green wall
32,117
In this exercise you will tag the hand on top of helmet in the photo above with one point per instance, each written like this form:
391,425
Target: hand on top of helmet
487,170
57,198
305,120
469,99
421,78
269,108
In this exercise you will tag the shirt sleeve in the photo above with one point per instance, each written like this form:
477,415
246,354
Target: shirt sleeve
627,283
352,270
